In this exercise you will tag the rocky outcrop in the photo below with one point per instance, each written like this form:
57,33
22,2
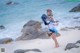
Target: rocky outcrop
69,28
64,29
24,51
70,46
33,23
31,30
2,27
78,42
75,9
11,3
5,40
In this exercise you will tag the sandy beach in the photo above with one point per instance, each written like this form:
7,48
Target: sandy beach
46,45
14,15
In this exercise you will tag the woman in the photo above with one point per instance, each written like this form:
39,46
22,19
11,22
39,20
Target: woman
49,20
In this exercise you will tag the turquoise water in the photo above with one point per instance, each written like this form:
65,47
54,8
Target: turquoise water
31,9
13,17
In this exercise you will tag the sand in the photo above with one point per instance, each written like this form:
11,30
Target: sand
46,45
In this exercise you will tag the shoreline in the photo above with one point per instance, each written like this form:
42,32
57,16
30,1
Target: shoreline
45,45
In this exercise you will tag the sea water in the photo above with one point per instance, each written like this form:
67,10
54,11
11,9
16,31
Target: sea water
13,17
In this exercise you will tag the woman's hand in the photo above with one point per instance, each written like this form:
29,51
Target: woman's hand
56,23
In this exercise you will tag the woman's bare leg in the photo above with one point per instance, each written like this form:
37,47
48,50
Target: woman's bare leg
58,35
55,40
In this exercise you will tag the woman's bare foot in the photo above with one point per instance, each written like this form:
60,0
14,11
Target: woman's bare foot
56,46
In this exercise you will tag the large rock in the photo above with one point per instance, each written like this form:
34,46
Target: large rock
31,30
33,23
70,46
24,51
78,42
75,9
19,51
5,40
2,27
77,27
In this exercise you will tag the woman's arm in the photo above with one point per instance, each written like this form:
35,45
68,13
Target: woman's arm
55,22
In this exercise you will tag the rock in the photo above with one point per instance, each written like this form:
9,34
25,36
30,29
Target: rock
24,51
64,29
35,50
31,30
75,9
76,17
78,41
70,46
33,23
11,3
67,28
5,40
77,27
2,27
19,51
31,33
71,27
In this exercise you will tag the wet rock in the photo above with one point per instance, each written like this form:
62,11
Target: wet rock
77,27
24,51
19,51
31,33
35,50
76,17
11,3
71,28
31,30
78,41
70,46
35,24
64,29
75,9
5,40
2,27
